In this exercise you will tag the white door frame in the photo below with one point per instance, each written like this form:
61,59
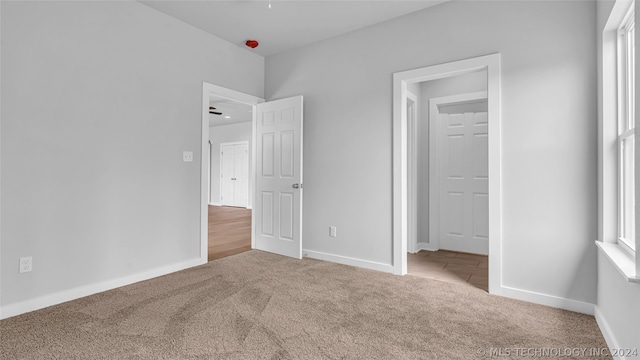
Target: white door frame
490,63
434,171
220,154
208,90
412,195
210,154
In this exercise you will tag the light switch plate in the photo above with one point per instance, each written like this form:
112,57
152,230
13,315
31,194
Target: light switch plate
332,231
26,264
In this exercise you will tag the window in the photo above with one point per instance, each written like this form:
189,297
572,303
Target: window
617,196
626,132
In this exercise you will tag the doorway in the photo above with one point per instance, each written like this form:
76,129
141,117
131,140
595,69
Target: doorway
232,226
230,134
229,218
404,219
448,173
275,173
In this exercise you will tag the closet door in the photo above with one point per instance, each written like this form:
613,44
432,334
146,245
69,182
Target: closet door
241,175
234,174
227,175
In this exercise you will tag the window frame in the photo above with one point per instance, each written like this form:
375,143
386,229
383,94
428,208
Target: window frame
626,127
627,262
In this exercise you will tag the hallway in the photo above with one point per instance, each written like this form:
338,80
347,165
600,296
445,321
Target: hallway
229,231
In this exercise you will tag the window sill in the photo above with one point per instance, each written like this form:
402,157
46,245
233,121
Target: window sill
621,260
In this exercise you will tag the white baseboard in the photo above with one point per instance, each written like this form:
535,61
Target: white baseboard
519,294
82,291
605,329
545,299
427,246
371,265
220,204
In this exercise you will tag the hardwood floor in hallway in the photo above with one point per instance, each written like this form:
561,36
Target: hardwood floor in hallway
229,231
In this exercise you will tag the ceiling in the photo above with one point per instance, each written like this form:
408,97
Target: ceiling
236,111
288,24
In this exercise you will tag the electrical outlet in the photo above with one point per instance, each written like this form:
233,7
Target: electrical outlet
187,156
332,231
26,264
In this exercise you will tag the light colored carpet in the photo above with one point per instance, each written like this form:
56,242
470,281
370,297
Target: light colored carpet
257,305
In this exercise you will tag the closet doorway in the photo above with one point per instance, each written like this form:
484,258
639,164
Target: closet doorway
467,208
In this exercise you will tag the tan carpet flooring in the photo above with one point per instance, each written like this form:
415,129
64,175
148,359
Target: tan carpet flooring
257,305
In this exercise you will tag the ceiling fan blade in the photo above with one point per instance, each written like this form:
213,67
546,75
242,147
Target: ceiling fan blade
215,113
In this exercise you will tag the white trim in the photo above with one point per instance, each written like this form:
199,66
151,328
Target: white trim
621,260
545,299
254,173
434,171
412,195
399,165
243,142
608,132
208,90
371,265
82,291
605,329
209,150
215,204
400,80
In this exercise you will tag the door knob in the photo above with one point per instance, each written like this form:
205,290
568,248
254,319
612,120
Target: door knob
295,186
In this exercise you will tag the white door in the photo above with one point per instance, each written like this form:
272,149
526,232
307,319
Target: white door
241,175
278,208
234,178
464,194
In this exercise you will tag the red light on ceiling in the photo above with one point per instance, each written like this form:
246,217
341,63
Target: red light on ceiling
252,43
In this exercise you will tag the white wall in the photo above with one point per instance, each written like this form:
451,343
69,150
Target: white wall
222,134
549,131
99,101
456,85
618,311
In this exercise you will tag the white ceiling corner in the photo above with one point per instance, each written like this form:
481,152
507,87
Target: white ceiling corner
289,23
